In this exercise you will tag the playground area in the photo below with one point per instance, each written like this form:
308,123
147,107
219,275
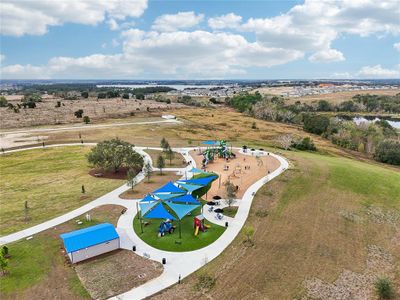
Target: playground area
242,170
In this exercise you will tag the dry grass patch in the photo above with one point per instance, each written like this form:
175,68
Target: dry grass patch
116,272
176,162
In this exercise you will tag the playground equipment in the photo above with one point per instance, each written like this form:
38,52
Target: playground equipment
165,226
198,224
220,149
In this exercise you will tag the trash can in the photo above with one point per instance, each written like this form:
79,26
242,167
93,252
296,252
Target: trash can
226,224
133,248
164,261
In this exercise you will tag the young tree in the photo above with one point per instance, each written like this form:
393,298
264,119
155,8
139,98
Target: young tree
160,163
248,232
384,288
163,143
230,191
86,119
3,264
147,170
285,141
131,178
114,154
3,101
170,155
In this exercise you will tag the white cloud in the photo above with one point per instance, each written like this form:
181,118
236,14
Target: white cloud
329,55
181,20
2,58
396,46
378,71
225,21
113,24
196,54
34,17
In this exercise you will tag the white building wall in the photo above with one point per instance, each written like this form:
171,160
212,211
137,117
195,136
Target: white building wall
93,251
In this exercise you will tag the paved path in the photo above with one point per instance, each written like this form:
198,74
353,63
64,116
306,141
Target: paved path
179,264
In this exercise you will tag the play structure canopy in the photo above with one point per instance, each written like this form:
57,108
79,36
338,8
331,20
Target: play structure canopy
190,187
211,143
169,188
188,199
158,212
198,181
182,210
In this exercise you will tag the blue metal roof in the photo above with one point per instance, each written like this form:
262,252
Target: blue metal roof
87,237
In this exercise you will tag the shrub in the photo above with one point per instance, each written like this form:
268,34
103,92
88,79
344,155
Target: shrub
384,288
78,113
316,124
3,101
205,283
306,144
388,151
86,119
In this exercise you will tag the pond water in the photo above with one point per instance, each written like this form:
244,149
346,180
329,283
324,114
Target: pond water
395,123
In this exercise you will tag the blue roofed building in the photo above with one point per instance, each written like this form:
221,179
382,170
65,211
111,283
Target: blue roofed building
91,241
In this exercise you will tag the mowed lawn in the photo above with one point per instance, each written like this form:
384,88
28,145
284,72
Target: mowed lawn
50,180
314,221
172,242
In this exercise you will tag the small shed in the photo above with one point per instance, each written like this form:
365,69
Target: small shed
91,241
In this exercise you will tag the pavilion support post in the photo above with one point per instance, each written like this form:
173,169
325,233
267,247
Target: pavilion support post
180,230
140,217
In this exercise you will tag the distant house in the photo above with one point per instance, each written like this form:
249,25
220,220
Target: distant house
89,242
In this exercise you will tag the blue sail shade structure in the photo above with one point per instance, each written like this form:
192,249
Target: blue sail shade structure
181,210
158,212
196,171
146,206
169,188
148,198
187,199
199,181
190,187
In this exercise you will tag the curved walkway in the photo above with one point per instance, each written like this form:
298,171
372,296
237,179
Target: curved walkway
178,264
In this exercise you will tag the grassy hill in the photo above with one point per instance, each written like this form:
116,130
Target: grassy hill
326,219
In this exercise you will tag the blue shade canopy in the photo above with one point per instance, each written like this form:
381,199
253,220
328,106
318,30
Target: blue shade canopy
87,237
195,170
167,196
181,210
148,198
146,206
198,181
158,212
190,187
184,199
169,188
210,143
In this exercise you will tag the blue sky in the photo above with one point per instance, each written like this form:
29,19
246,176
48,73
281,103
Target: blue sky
199,39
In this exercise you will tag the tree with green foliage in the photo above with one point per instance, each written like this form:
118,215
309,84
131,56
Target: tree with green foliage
86,119
388,151
230,192
316,124
139,96
131,177
160,163
170,155
244,101
147,171
164,145
3,264
125,96
324,105
3,101
85,94
248,232
78,113
384,288
115,154
305,144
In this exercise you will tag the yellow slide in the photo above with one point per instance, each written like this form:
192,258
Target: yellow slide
207,226
196,232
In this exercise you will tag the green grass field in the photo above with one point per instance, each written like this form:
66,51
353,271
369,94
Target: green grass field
50,180
172,242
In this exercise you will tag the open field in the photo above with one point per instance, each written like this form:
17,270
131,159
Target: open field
50,180
326,217
146,186
339,97
176,162
46,111
48,276
172,242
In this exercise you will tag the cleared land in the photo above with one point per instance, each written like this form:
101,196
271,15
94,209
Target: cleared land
177,161
237,173
146,186
50,180
324,219
39,266
47,112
